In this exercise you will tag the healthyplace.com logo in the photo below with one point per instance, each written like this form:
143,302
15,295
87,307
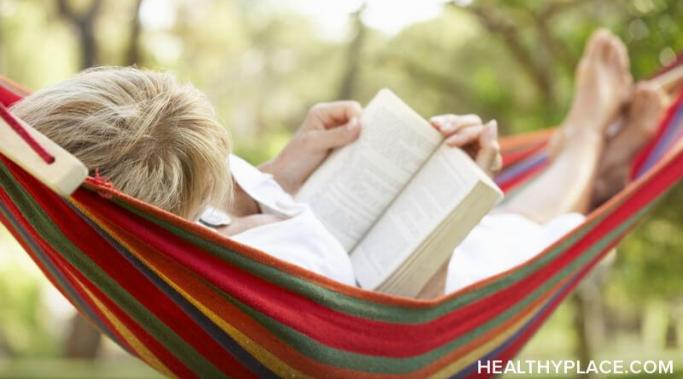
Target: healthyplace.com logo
565,367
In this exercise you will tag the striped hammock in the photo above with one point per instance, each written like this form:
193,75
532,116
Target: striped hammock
193,304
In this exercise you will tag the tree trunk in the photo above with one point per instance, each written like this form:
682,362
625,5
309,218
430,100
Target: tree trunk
589,319
83,340
509,32
584,350
133,55
671,337
85,28
88,45
347,87
6,349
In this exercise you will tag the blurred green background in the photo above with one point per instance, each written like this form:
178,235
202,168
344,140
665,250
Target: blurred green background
265,62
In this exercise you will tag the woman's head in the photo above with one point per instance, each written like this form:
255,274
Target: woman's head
152,137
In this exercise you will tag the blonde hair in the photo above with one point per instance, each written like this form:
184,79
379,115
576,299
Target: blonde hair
152,137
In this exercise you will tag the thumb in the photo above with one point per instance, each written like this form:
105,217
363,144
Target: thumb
488,147
337,136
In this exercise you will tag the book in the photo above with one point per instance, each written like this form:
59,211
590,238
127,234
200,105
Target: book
398,199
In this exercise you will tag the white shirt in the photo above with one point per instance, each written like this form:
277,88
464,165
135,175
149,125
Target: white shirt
502,241
498,243
300,239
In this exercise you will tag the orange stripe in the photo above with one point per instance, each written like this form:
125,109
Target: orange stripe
460,355
14,86
355,292
196,291
140,349
521,141
259,339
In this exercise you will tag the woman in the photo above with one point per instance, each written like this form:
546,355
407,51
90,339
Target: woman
159,141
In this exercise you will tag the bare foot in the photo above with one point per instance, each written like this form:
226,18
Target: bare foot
603,83
644,113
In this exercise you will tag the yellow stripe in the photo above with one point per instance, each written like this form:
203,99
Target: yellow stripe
476,354
268,359
137,345
262,355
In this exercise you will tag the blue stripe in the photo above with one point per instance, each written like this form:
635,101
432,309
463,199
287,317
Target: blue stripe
473,368
69,290
521,168
671,134
228,343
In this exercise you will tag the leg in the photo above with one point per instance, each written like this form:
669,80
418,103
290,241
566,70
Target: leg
603,83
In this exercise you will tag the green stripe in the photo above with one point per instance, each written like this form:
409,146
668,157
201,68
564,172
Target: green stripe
142,316
355,306
378,364
303,343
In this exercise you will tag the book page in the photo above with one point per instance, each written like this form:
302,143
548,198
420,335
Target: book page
355,185
431,197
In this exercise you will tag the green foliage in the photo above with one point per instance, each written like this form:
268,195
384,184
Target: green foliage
650,259
23,326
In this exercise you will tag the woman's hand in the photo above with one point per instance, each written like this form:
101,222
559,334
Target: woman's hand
477,139
326,126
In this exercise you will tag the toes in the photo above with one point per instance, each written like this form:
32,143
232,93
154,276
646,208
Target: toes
647,101
621,59
596,43
613,54
609,48
622,53
647,105
615,57
608,52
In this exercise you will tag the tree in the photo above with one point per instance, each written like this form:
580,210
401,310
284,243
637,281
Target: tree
84,24
353,55
83,340
133,53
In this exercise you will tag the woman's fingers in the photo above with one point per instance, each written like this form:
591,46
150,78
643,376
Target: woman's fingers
450,123
488,157
322,140
335,113
465,135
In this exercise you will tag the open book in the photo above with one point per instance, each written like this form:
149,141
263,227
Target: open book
398,199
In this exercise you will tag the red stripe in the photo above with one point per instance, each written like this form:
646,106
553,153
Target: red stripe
67,271
335,328
345,331
512,157
522,178
7,96
48,274
331,326
170,361
128,277
663,125
655,189
675,63
516,346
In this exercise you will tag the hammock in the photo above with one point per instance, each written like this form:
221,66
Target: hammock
192,304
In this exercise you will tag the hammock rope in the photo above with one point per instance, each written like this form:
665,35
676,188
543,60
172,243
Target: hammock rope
193,304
